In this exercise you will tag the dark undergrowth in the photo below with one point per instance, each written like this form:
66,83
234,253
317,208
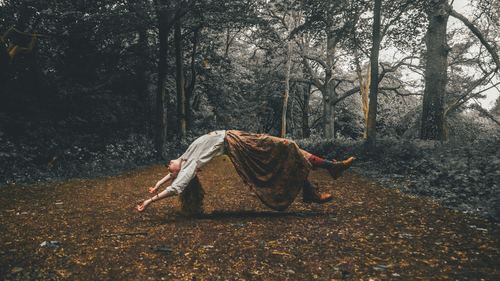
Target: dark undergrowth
44,159
48,155
462,174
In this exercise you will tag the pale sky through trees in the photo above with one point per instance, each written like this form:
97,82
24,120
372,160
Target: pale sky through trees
462,6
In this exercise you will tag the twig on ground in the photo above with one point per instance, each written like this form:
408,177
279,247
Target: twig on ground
126,234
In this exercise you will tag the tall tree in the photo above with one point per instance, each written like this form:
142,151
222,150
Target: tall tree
372,108
337,20
306,93
286,94
192,82
141,50
394,33
281,17
436,61
433,125
289,19
163,13
180,82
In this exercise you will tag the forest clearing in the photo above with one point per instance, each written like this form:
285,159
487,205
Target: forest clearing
368,232
102,102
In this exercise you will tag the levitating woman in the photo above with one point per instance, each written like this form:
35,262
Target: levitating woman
275,168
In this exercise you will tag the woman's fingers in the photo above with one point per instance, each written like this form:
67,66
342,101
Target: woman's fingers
140,207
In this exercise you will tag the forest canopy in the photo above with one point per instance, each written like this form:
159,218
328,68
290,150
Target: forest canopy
114,66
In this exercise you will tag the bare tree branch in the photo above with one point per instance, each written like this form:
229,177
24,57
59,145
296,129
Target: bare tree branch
479,35
300,80
466,95
316,59
396,18
400,63
484,113
315,80
316,122
348,93
398,92
385,70
281,19
310,71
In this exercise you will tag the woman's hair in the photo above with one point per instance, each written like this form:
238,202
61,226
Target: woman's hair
191,198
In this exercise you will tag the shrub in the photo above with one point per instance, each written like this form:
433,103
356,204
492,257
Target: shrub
461,173
54,158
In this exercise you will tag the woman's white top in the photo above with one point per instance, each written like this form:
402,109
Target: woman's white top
199,153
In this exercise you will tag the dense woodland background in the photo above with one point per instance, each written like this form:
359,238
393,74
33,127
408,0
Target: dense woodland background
113,84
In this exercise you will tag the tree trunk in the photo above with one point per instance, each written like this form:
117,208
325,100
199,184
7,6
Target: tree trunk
364,89
290,128
228,42
371,128
179,75
306,131
432,126
329,95
4,70
192,83
365,100
142,80
329,111
161,95
288,66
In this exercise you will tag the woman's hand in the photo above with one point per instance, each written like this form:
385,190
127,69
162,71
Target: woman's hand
141,207
153,189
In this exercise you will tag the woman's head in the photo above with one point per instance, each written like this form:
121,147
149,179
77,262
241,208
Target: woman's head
174,166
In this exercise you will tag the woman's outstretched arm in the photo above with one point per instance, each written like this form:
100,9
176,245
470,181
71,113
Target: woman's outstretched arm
168,192
160,182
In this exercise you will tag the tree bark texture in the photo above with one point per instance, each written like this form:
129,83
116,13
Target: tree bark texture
436,59
329,111
371,125
180,82
364,90
286,94
161,94
142,81
192,83
329,95
306,131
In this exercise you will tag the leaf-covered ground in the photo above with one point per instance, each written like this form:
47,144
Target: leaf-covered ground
369,232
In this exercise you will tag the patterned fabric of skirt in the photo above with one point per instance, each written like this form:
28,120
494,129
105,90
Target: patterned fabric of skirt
273,167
